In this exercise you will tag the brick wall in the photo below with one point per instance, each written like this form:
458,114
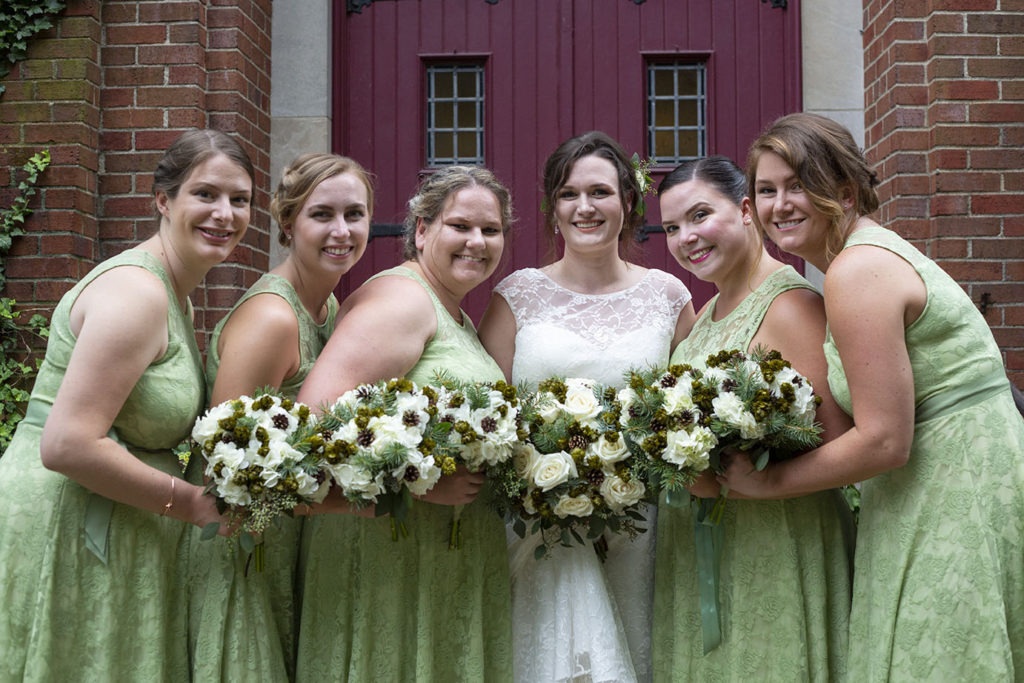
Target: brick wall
106,91
944,121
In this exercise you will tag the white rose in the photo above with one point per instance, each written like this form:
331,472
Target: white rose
482,453
206,426
610,452
729,408
389,429
678,398
580,401
356,481
553,469
577,506
234,494
349,400
752,370
621,494
549,409
626,397
524,455
308,486
690,449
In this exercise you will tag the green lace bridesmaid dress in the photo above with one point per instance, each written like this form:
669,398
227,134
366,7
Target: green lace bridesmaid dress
242,626
784,588
374,609
938,593
93,590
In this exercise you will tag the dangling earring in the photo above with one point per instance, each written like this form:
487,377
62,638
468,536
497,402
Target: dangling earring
556,229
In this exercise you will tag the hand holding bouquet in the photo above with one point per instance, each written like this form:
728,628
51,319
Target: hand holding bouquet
260,463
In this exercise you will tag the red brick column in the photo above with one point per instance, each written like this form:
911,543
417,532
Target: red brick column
944,119
107,90
51,102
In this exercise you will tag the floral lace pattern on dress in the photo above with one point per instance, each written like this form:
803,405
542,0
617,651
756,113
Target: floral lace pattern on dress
574,618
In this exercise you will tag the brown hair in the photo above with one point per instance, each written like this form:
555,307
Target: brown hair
595,143
433,194
191,149
828,163
303,176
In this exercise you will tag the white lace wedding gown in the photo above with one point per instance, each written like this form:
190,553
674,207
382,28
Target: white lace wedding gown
574,618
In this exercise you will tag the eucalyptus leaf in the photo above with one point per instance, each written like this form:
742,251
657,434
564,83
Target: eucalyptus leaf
209,531
762,460
247,542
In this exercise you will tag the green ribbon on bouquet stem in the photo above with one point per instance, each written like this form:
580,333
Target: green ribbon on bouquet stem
708,535
455,532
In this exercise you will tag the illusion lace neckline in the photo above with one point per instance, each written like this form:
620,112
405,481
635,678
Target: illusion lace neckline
617,292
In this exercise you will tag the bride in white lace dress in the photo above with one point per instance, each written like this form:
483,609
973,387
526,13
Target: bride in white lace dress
590,314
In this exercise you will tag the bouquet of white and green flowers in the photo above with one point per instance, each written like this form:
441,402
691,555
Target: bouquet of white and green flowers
575,473
683,419
476,424
375,447
260,463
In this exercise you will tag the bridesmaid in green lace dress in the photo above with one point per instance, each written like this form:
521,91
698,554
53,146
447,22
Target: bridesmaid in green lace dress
243,625
784,585
92,580
938,589
378,610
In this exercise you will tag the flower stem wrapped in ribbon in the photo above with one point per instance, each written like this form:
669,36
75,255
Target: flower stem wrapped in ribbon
261,461
683,420
574,475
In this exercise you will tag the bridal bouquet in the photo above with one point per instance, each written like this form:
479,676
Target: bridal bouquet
682,420
476,424
260,463
574,473
375,447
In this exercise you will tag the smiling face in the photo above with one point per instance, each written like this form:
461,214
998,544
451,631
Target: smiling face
207,218
786,211
707,233
462,246
588,206
330,231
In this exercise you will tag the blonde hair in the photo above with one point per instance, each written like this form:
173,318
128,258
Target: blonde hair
303,176
434,191
828,163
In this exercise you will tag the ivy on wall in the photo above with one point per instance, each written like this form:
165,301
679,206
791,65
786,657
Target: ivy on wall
19,21
16,339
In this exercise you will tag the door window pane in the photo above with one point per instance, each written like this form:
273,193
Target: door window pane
676,101
455,114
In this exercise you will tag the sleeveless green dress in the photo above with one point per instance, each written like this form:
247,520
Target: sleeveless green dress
938,592
374,609
243,626
69,614
784,587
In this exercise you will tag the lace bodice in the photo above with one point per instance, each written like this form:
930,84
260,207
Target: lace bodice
600,336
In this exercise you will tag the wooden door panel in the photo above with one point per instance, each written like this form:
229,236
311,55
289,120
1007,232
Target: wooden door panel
553,68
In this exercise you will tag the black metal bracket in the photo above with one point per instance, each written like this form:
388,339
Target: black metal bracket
776,4
357,6
985,302
386,230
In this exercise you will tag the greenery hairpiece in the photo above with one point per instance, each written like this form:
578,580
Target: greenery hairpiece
642,169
